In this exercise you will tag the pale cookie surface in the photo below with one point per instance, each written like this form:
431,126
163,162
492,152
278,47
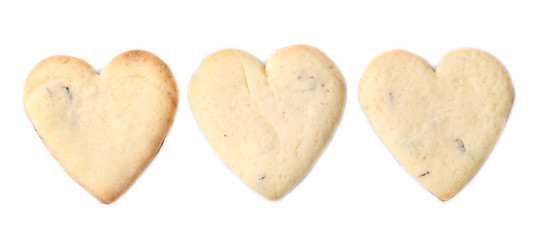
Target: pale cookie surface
441,126
105,128
269,125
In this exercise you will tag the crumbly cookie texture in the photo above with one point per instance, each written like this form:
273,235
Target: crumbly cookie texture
268,124
440,125
105,128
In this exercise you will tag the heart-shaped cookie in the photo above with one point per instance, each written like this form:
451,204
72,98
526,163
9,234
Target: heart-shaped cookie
105,128
269,125
440,125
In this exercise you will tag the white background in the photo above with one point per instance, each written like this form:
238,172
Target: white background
357,190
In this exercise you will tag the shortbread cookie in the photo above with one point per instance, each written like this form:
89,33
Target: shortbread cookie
105,128
269,125
442,125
